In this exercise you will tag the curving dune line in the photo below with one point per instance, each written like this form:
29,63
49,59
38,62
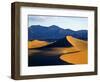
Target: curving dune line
79,57
80,44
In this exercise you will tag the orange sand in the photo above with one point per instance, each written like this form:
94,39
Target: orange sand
36,44
78,57
75,58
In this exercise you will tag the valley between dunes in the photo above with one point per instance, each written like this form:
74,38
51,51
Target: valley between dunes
77,54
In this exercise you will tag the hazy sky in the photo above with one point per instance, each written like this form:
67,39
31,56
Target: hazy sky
74,23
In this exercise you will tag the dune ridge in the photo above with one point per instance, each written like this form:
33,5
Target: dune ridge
79,57
77,54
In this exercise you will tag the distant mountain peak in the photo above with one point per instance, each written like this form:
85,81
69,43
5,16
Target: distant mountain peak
53,26
53,32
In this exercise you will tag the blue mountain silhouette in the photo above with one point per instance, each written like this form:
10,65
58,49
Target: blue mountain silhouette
54,33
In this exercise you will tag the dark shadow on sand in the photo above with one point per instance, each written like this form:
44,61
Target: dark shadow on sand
43,59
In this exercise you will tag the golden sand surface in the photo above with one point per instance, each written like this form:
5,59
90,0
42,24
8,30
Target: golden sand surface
36,44
78,54
80,57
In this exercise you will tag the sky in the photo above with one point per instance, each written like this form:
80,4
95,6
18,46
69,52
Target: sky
65,22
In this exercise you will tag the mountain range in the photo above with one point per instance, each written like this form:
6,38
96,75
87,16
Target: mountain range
54,33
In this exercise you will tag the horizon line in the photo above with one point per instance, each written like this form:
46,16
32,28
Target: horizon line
56,26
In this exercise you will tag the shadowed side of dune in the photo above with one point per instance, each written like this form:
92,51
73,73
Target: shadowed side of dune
59,43
50,56
43,60
68,51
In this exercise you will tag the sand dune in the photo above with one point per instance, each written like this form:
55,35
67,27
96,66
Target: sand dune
36,44
77,43
78,57
77,54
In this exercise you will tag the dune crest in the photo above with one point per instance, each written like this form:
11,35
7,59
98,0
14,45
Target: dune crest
80,44
79,57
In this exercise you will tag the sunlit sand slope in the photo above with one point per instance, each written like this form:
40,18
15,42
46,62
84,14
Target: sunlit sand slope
36,44
80,44
77,57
